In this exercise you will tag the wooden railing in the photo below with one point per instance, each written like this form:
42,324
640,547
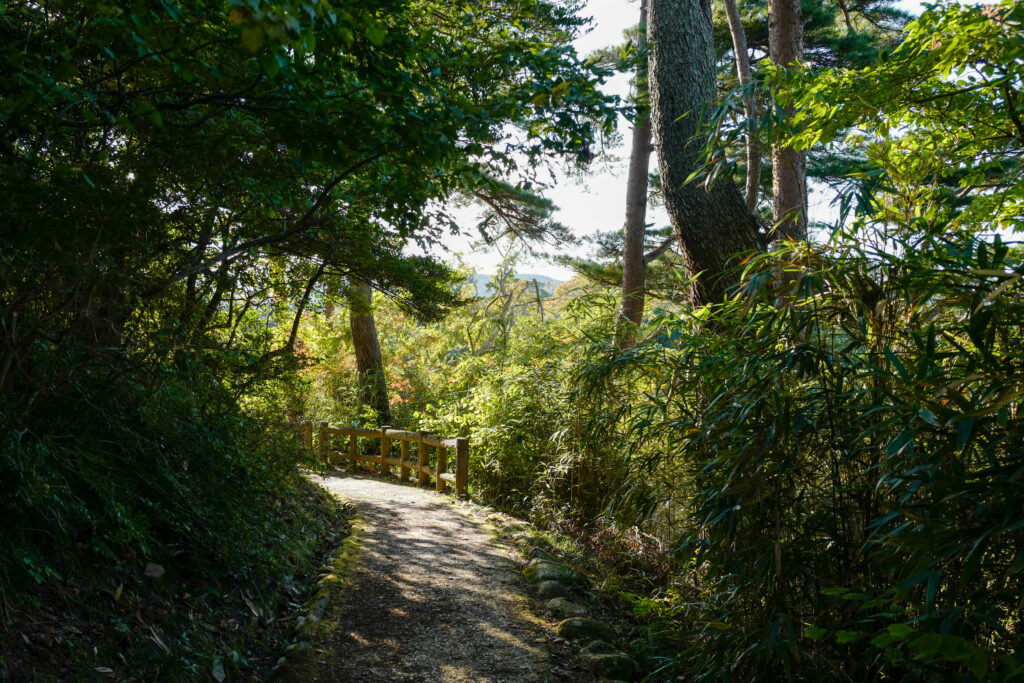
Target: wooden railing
385,460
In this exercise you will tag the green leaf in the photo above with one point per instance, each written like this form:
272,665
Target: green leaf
270,64
376,33
881,642
900,631
901,442
926,645
252,38
963,432
978,663
897,363
173,10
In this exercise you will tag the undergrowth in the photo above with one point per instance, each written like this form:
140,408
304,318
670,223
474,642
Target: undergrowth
152,529
817,479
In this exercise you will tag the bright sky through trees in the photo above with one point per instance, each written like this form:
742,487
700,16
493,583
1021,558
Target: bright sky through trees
597,202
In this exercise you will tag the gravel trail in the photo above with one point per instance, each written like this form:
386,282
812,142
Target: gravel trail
435,598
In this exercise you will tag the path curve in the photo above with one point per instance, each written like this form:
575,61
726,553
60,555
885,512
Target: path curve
434,597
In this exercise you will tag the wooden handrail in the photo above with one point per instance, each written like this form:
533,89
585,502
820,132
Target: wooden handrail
459,478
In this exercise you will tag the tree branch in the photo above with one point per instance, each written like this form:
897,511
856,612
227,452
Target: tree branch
659,250
302,307
306,222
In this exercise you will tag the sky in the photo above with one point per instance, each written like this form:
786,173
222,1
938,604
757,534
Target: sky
598,202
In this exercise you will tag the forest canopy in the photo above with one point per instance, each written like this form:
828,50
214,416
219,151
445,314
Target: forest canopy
796,455
181,183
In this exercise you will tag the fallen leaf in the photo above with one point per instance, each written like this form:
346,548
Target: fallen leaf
217,671
156,639
252,607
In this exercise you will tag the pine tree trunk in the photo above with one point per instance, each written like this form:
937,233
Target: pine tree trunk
750,108
711,226
789,167
633,266
373,390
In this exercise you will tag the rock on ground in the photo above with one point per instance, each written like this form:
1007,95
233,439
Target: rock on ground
584,629
565,608
551,589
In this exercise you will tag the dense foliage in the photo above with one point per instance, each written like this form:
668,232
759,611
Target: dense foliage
818,479
180,182
831,460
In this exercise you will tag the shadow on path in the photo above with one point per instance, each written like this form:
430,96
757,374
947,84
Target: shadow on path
435,599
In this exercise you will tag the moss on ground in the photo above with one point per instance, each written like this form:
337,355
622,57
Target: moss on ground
319,614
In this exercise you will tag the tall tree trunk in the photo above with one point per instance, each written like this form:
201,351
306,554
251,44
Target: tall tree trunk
750,108
373,390
789,167
711,226
633,266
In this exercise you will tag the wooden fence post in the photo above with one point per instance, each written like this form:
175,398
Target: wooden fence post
423,454
404,476
385,449
322,440
461,465
442,464
459,476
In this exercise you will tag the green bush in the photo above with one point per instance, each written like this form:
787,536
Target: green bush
148,465
849,428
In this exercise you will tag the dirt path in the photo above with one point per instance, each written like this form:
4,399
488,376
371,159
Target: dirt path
435,599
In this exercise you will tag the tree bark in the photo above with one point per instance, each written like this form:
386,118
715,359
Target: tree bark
789,167
750,108
633,265
373,390
711,225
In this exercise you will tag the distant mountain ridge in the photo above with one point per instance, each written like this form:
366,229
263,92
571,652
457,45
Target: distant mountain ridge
547,284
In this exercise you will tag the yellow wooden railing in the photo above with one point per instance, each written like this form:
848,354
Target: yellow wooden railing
421,464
